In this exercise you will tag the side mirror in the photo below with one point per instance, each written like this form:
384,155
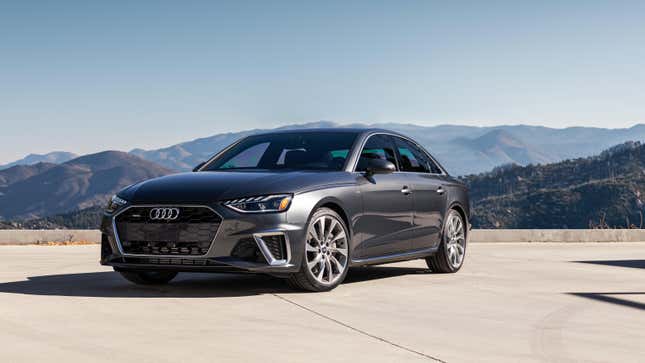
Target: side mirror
198,166
379,166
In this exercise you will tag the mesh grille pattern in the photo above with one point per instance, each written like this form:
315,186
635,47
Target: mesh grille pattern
190,234
275,244
172,261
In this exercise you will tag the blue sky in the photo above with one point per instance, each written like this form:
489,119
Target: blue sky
86,75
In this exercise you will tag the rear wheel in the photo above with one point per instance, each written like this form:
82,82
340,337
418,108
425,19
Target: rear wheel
148,277
452,251
326,253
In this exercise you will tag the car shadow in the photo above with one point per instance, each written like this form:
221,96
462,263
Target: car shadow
186,285
617,263
613,298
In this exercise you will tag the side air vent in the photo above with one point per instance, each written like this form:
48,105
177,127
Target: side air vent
274,247
275,244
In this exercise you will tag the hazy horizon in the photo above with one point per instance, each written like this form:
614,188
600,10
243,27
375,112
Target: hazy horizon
88,76
152,147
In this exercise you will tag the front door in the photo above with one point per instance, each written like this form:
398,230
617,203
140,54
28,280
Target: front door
385,226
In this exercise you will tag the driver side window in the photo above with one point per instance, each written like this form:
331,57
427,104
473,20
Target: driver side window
376,147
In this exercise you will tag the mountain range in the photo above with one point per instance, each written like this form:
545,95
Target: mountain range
29,191
526,163
602,191
462,150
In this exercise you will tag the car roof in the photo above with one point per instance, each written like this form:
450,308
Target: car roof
356,130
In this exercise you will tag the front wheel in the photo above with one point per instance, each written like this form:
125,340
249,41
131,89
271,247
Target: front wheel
452,251
326,253
149,277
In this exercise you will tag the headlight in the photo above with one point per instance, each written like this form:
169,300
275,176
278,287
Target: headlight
115,203
263,204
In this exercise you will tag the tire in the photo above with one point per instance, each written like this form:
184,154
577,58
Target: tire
149,277
325,259
452,251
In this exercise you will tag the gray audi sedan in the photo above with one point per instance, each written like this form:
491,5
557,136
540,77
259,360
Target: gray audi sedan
304,205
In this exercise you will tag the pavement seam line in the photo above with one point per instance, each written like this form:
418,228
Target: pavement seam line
359,331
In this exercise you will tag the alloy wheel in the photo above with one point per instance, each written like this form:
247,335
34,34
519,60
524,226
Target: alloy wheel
456,240
326,249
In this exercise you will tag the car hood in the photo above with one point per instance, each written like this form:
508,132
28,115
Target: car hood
204,187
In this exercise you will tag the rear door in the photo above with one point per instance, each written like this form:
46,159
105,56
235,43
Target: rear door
385,226
429,194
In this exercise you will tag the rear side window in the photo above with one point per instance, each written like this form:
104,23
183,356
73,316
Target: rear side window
377,147
413,159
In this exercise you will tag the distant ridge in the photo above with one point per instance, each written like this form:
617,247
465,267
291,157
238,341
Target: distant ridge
501,147
54,157
21,172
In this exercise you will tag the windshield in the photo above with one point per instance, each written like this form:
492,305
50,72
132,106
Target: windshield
306,151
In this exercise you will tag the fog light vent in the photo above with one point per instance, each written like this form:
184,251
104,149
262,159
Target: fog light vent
274,247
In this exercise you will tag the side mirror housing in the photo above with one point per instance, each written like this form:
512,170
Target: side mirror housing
198,166
379,166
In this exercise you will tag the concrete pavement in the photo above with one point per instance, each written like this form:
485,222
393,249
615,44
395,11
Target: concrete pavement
511,302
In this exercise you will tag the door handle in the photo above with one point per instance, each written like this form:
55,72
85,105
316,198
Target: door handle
405,190
440,190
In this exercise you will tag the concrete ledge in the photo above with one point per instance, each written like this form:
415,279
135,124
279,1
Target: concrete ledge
28,237
557,235
23,237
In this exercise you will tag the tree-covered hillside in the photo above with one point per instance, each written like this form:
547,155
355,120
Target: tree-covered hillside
600,191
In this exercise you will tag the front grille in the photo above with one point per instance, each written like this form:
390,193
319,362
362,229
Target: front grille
191,233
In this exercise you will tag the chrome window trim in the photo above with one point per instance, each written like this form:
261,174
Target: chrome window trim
267,253
362,145
120,247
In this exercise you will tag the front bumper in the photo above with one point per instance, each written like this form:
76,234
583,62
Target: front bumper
235,230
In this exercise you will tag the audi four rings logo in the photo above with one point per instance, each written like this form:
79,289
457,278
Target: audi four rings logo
164,214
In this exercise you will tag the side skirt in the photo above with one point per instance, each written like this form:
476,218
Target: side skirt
404,256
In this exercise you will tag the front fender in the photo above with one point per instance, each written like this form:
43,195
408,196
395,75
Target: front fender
346,199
